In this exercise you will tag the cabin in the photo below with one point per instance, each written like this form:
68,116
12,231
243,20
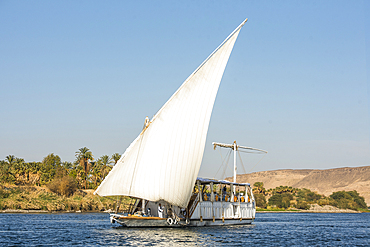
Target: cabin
221,199
212,202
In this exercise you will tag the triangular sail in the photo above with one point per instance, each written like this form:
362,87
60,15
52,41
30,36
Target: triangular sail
163,162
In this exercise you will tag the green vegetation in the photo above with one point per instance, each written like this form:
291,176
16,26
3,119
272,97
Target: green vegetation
47,185
38,198
284,197
116,157
281,200
260,200
259,189
348,199
84,155
55,185
65,186
259,195
86,172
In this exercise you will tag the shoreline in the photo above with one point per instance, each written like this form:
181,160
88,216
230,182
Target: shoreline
315,208
35,211
316,212
31,211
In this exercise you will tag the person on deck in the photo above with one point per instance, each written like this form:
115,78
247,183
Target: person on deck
160,211
224,193
169,212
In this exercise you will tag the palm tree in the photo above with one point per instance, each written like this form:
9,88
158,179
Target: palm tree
6,175
96,171
11,159
17,166
83,156
67,165
106,165
116,157
106,160
33,168
80,175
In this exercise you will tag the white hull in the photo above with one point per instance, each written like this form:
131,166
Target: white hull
205,214
143,221
219,222
228,210
147,222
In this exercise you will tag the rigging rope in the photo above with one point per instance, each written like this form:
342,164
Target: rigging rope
227,164
241,161
223,162
220,165
228,158
257,163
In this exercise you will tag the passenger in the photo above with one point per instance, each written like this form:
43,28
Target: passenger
160,211
183,212
169,212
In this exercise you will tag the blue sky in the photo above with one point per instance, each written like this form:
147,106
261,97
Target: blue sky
86,73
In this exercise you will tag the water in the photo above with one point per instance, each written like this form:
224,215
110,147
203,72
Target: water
269,229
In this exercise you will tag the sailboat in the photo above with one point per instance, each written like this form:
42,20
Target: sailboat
160,167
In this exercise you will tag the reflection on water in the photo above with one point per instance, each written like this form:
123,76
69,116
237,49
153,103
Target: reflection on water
177,236
279,229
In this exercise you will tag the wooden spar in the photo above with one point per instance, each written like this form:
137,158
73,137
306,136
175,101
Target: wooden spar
235,148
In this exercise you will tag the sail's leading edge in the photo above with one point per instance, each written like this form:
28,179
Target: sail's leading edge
163,162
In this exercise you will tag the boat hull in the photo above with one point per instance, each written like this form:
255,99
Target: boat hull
138,221
220,222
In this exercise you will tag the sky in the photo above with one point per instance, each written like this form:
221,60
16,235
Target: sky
86,74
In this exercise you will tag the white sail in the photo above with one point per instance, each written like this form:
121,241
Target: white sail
163,162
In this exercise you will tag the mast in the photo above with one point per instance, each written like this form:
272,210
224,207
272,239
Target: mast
234,163
235,147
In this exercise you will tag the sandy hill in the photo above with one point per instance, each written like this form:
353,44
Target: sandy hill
322,181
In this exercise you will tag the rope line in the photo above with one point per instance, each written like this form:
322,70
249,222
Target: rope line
241,161
227,164
256,164
227,158
223,163
220,165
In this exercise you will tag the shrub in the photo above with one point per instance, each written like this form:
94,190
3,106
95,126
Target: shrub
260,200
302,205
324,201
3,193
66,186
313,197
349,199
281,200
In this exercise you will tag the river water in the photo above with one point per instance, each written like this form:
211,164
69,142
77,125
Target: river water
269,229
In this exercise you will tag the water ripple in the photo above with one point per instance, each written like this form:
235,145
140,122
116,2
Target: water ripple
269,229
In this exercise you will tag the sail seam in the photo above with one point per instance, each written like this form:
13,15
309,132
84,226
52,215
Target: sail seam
137,158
